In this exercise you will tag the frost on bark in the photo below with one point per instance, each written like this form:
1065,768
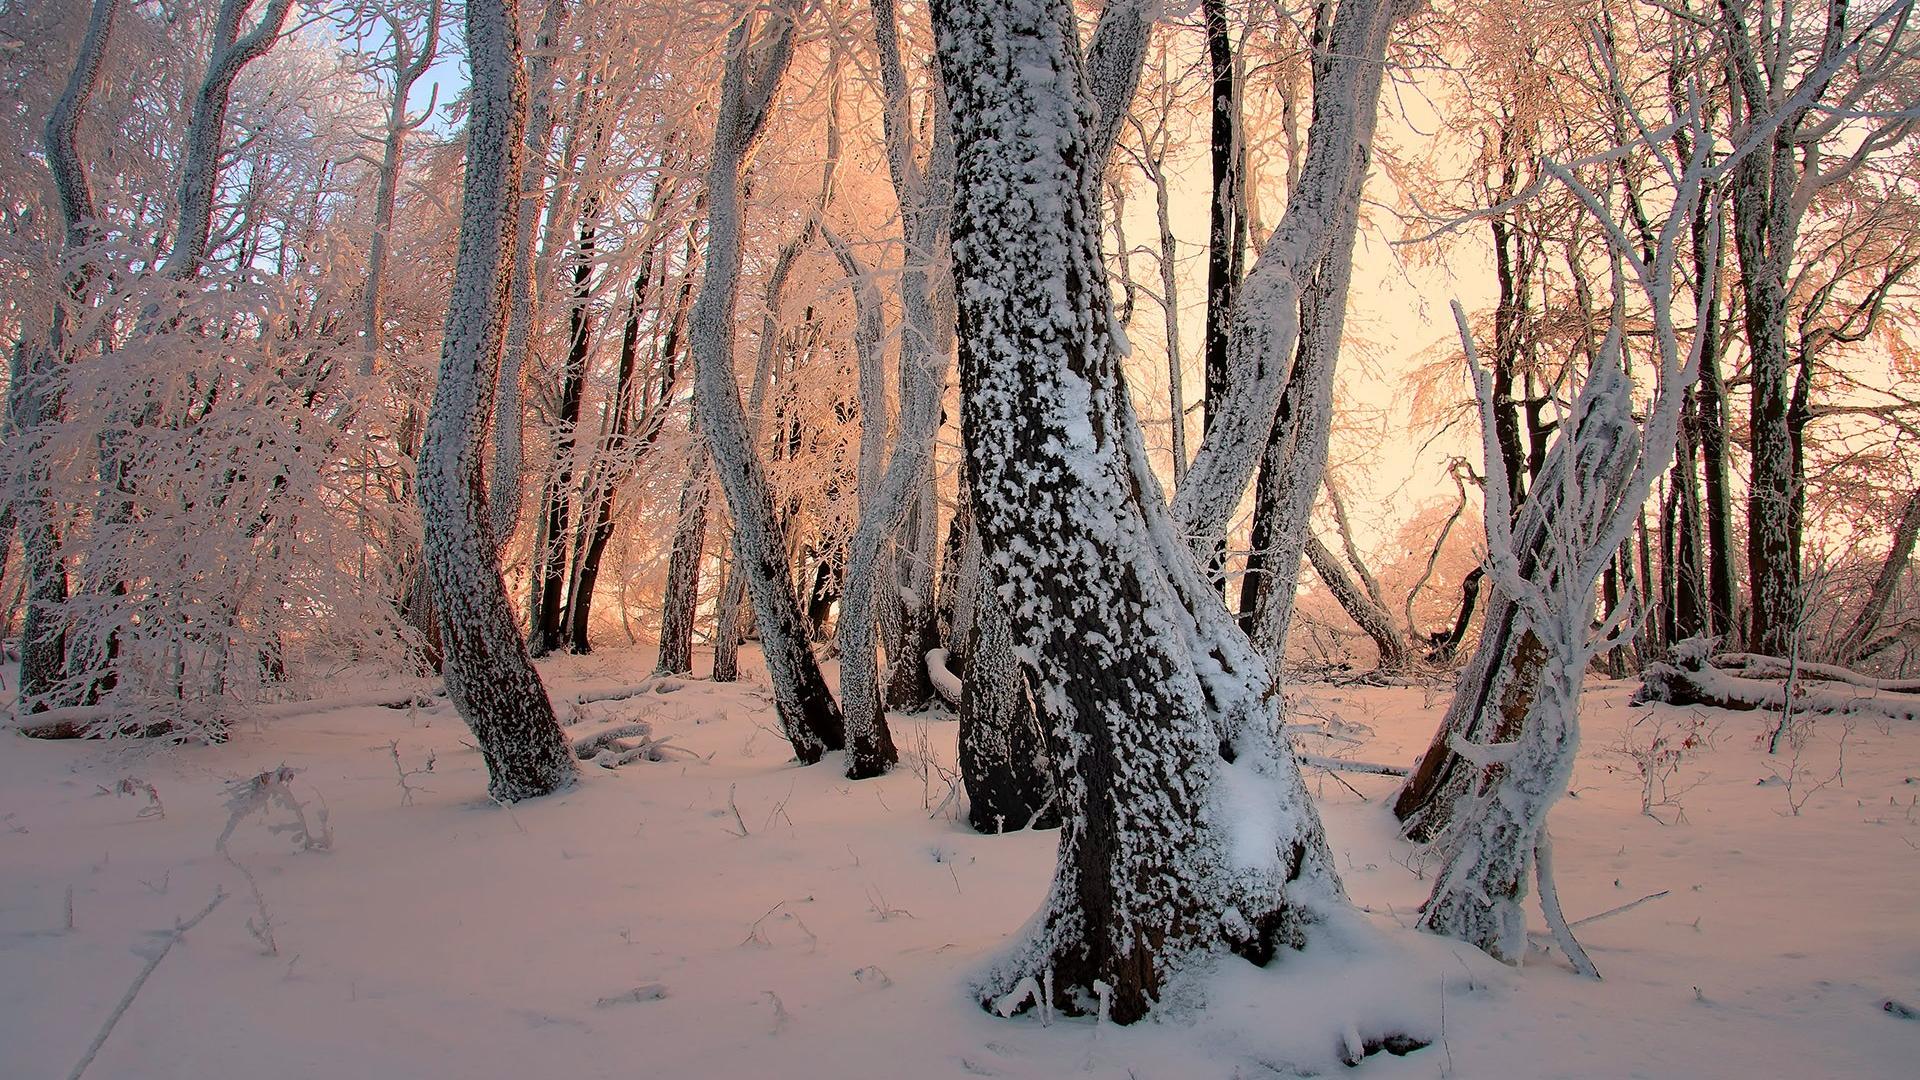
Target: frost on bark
1186,827
1265,325
410,62
509,412
808,713
901,495
34,394
1516,762
490,678
1003,744
1375,621
200,156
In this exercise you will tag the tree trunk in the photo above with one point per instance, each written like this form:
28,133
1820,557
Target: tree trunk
34,394
808,712
1003,745
510,414
550,613
683,570
490,678
1156,699
1899,554
1395,652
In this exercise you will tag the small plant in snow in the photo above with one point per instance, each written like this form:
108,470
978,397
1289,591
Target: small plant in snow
259,794
1655,752
133,785
406,775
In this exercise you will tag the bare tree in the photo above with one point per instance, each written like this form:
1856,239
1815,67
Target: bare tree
808,713
490,677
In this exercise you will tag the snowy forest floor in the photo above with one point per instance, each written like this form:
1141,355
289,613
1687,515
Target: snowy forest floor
625,928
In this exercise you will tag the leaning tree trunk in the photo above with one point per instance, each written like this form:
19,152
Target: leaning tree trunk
1494,691
489,676
1159,705
808,713
1396,653
1853,644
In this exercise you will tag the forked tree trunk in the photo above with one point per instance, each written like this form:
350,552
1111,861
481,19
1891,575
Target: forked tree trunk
808,713
1157,700
490,678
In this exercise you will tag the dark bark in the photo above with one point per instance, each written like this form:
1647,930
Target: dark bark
1003,747
1395,652
683,571
550,613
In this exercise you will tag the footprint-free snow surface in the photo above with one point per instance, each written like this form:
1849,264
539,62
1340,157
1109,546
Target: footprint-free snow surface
628,928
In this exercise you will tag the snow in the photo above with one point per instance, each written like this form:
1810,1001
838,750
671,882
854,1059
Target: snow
624,928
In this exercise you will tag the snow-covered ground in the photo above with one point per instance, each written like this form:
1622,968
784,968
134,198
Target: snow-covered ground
626,928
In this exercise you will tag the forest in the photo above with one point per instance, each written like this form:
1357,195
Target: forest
960,537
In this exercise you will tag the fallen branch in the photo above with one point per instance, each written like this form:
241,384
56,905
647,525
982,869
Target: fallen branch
1709,686
126,1000
1756,666
1334,764
1610,912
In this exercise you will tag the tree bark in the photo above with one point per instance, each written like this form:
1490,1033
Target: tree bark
1874,610
34,395
808,713
490,678
1156,699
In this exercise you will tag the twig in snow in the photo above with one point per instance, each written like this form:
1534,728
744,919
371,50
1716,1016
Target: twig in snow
1610,912
735,807
406,775
126,1000
637,995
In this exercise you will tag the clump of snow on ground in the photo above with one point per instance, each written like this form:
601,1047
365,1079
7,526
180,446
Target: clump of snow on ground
627,927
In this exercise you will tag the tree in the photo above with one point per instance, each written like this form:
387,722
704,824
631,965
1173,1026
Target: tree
34,395
490,677
808,713
1157,700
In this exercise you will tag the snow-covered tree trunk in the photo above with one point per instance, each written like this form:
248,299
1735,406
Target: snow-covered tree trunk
34,392
1373,620
887,501
200,153
1186,828
505,475
410,63
1586,500
1266,315
808,713
1520,759
490,678
1004,761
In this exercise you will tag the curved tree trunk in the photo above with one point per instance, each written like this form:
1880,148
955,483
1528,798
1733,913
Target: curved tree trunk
808,713
1156,698
34,393
504,484
490,678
